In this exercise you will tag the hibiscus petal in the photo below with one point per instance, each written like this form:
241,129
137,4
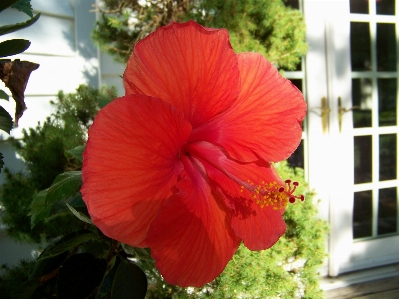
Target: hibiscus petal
258,227
191,239
191,67
131,164
265,121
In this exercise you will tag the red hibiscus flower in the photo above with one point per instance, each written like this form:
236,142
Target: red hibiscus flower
181,163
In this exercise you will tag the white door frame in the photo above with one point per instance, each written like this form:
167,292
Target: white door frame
330,167
330,143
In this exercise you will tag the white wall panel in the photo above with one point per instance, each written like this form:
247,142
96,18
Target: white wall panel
50,35
111,73
60,7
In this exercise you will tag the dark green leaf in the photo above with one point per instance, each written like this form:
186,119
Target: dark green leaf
3,95
28,289
79,276
79,215
76,201
129,282
98,248
6,3
143,254
41,292
6,122
44,267
106,285
14,27
65,185
69,242
13,47
77,152
24,6
39,209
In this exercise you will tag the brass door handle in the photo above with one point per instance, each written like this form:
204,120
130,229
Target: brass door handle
325,110
342,110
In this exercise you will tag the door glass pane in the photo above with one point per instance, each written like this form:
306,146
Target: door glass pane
292,3
387,209
297,158
387,102
360,46
362,102
358,6
297,83
388,157
363,164
362,214
386,47
384,7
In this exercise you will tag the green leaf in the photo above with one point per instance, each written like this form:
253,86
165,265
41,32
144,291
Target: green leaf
77,152
14,27
29,289
6,122
143,254
129,282
3,95
6,3
65,185
45,266
79,215
24,6
106,284
39,210
13,47
76,201
69,242
79,276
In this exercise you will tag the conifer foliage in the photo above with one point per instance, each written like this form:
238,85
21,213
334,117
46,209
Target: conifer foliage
266,26
48,152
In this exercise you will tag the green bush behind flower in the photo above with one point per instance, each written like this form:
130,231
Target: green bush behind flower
269,27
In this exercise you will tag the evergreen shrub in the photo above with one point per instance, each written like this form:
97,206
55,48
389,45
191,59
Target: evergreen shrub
269,27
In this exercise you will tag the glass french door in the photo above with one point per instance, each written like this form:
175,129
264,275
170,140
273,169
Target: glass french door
352,71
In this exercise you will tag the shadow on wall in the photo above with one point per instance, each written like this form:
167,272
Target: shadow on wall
85,20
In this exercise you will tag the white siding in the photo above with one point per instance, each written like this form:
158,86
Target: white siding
111,73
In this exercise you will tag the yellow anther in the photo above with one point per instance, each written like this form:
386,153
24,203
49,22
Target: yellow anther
274,195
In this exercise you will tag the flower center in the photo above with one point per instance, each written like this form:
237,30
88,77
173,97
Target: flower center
264,194
272,194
